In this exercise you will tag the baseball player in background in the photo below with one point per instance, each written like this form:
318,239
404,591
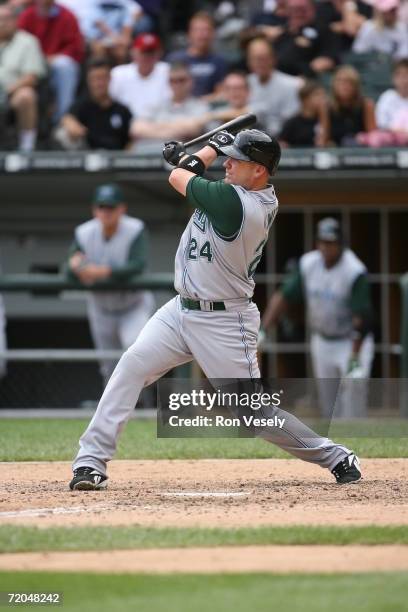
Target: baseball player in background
113,246
332,281
213,318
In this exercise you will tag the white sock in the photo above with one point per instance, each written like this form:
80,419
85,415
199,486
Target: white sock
27,140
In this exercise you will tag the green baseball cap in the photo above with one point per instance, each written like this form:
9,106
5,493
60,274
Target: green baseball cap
108,195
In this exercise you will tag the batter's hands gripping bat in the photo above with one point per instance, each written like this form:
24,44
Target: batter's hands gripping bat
173,151
233,126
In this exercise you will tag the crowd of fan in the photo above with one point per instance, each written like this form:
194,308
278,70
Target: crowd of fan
98,74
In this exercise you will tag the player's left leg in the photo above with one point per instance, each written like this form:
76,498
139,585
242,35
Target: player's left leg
224,345
158,348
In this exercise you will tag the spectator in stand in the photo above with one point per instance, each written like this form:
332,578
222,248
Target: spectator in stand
109,28
18,6
61,41
385,33
185,116
403,11
234,95
148,21
392,106
176,119
305,47
345,19
96,121
272,14
309,127
144,83
22,65
80,9
207,68
268,22
350,112
273,95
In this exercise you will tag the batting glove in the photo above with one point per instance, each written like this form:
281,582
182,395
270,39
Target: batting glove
353,364
221,139
173,151
354,368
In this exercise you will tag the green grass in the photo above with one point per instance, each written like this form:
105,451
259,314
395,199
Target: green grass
219,593
17,538
57,439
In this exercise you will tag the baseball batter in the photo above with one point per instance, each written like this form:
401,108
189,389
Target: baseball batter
332,281
213,319
112,245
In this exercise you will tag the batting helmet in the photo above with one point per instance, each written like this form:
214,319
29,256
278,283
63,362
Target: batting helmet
329,230
255,146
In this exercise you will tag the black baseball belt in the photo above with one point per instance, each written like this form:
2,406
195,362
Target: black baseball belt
205,305
197,305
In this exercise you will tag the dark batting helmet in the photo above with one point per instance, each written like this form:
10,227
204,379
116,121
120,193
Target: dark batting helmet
329,230
255,146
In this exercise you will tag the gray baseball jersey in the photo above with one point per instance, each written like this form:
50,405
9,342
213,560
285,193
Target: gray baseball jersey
211,267
114,253
328,290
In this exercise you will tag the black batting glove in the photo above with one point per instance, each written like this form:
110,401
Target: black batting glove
173,151
220,139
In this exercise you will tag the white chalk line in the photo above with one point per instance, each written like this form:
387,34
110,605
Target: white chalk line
206,494
52,511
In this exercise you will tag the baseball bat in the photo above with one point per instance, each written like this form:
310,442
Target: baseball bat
233,126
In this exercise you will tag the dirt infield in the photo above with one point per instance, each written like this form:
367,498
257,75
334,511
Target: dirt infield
222,493
276,559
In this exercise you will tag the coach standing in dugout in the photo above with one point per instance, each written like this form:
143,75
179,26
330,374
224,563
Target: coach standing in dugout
332,282
112,246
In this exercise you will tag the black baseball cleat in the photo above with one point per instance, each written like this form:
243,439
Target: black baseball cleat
87,479
347,470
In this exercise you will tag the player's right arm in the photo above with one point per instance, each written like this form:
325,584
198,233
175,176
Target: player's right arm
137,258
76,259
219,201
291,292
361,309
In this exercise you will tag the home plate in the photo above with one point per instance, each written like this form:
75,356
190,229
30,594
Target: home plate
206,494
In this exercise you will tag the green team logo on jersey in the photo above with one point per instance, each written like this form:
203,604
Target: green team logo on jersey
200,220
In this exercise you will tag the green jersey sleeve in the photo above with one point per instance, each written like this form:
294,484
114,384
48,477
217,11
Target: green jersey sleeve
137,258
219,201
360,298
292,288
73,248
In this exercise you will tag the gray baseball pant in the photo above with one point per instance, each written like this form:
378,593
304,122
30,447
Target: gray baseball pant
224,344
